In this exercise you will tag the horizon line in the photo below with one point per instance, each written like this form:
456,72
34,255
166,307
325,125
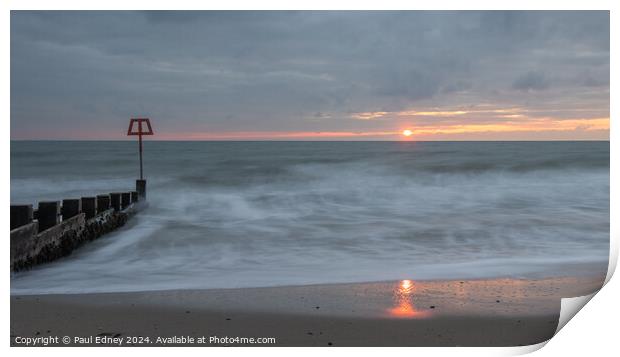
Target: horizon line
277,140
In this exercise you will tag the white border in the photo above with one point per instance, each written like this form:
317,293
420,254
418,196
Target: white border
593,329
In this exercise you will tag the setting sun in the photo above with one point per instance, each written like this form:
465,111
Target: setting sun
407,132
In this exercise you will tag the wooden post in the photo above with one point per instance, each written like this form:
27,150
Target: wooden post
115,201
89,207
49,214
134,196
103,203
21,215
71,208
141,189
125,199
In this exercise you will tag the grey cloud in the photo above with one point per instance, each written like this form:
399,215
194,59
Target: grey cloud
275,70
531,80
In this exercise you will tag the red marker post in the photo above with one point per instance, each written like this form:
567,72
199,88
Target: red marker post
138,130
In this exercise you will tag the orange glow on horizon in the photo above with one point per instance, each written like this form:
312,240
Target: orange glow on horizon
260,135
508,127
534,126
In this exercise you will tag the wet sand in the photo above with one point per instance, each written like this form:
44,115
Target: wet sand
493,312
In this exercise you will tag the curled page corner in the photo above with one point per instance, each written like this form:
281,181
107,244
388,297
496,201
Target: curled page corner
570,307
523,350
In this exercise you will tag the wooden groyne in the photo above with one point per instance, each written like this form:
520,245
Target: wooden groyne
56,228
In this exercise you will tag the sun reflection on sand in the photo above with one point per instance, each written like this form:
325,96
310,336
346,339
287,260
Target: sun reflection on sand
403,301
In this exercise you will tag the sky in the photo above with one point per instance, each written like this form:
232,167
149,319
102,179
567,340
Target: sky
336,75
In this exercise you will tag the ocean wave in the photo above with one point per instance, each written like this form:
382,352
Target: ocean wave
374,215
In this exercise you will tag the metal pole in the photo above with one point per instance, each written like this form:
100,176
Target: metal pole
140,143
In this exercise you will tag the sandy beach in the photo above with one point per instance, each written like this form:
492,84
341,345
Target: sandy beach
494,312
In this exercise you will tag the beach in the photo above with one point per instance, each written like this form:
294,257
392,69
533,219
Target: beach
485,312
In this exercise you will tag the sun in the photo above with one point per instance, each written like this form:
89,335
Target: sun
407,132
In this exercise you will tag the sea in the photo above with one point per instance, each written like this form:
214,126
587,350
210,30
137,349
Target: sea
273,213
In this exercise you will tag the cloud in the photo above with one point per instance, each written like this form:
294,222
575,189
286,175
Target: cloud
531,81
226,71
368,115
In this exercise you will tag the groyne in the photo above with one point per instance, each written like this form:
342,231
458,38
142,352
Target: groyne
57,228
